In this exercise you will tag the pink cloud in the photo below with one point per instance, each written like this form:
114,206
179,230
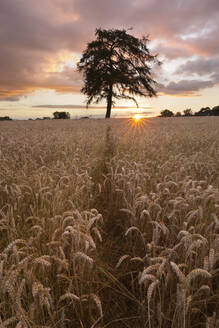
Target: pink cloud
33,32
185,88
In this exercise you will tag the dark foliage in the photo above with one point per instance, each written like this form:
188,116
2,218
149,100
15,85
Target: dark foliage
215,111
5,118
117,65
204,111
166,113
187,112
61,115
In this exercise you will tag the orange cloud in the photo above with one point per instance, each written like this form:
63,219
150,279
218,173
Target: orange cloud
38,38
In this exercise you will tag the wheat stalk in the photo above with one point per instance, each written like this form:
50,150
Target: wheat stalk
178,272
122,259
70,296
84,257
195,273
98,303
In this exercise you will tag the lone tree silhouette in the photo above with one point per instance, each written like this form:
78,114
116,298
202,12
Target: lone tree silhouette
116,65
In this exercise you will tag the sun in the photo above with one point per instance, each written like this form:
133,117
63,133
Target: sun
137,117
136,124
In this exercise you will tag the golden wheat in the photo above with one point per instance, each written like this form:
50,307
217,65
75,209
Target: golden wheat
104,228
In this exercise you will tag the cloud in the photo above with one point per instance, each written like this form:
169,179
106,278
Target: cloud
201,66
186,88
35,34
142,113
68,107
11,98
172,49
85,107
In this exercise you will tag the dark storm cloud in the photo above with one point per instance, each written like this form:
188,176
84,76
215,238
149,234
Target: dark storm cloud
33,33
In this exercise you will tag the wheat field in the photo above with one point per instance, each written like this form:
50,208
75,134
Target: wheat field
108,224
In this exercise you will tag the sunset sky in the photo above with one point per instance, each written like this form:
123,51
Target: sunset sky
42,40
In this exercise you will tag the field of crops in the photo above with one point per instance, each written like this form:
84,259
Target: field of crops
109,223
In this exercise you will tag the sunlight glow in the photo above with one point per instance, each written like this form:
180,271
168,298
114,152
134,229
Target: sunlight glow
137,117
61,61
136,125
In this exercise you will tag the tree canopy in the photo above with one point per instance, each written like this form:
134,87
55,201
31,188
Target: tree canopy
61,115
166,113
204,111
187,112
117,65
5,118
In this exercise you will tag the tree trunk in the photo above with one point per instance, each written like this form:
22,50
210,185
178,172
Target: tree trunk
109,102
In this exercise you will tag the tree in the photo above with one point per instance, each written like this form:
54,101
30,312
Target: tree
215,111
166,113
187,112
204,111
5,118
61,115
117,65
178,114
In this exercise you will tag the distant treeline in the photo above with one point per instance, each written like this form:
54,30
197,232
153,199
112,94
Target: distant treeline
5,118
204,111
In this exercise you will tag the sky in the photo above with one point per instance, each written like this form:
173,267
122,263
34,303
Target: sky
41,42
